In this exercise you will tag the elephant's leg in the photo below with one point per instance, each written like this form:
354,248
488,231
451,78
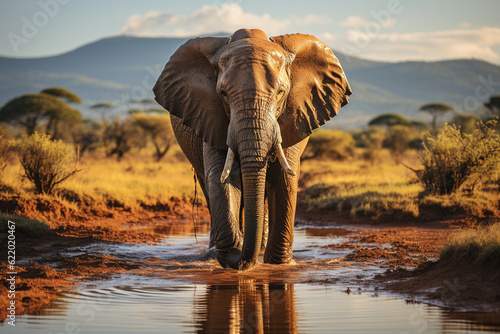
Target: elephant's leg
192,147
225,202
282,197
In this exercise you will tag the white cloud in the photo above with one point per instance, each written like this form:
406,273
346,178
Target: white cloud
447,44
208,19
354,22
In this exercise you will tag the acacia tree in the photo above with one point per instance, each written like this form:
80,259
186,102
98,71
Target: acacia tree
30,110
435,110
103,107
69,117
86,135
389,120
63,94
120,135
158,127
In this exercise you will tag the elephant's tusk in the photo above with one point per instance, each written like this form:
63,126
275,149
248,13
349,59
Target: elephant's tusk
283,161
227,166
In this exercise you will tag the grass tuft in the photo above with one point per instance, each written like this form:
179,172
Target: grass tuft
25,226
477,246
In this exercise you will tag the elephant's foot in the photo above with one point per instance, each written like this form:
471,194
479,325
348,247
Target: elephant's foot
234,260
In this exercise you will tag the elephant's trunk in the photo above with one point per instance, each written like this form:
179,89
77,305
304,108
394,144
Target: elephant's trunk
254,183
254,143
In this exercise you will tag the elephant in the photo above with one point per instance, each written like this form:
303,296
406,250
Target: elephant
242,108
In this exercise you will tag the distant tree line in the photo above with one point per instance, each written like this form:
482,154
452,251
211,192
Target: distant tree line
52,111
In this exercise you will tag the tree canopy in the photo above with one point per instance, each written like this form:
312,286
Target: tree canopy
102,105
435,110
63,93
390,120
30,109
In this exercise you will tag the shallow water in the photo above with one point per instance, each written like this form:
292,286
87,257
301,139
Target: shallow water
268,299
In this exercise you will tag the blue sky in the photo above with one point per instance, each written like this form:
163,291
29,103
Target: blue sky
388,30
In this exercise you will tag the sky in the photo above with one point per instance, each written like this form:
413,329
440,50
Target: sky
384,30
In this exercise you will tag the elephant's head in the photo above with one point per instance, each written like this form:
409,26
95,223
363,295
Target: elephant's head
253,95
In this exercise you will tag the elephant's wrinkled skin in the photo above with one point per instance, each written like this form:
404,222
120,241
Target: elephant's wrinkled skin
242,108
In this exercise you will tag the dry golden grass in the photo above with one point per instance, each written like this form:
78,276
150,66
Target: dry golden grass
386,188
135,180
360,187
357,186
481,246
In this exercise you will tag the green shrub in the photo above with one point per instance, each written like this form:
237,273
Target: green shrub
46,163
452,159
329,144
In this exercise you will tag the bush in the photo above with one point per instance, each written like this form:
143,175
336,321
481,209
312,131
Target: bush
46,163
452,160
329,144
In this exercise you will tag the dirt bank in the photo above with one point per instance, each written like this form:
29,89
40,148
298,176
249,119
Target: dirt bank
461,286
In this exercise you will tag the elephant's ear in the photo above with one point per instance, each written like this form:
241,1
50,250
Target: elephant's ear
318,90
187,89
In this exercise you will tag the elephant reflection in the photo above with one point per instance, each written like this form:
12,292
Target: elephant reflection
247,308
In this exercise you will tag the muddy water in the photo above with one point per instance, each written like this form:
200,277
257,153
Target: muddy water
178,292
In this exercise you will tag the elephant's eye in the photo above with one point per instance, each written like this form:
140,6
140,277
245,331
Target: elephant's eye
223,92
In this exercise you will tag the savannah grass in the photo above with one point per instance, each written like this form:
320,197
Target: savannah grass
136,180
360,187
474,246
387,188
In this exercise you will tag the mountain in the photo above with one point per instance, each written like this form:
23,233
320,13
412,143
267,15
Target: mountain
120,69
